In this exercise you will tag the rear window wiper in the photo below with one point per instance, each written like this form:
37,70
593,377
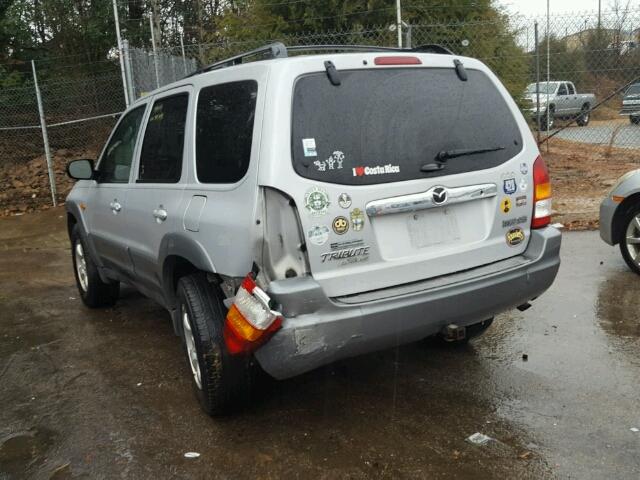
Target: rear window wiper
444,155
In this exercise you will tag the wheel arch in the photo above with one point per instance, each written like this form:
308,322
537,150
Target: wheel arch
180,256
617,224
72,221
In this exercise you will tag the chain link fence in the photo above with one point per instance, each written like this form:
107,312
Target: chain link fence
600,55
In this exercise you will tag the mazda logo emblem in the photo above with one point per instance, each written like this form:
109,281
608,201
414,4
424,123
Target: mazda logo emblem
439,195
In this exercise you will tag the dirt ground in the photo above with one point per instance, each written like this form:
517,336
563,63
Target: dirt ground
581,176
106,393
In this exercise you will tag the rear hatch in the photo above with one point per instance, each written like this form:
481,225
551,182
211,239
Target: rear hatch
379,203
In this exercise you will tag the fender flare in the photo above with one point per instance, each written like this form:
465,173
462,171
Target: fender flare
177,244
73,210
632,197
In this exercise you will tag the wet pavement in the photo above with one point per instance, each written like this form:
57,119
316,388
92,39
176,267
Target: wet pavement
619,133
104,394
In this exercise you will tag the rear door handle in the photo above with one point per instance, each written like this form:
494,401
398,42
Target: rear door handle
160,214
115,206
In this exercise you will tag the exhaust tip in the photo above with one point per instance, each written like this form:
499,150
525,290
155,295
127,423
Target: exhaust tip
524,306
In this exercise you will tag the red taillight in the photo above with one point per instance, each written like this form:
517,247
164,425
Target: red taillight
541,195
249,322
397,60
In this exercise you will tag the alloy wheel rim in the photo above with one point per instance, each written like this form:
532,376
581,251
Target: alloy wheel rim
81,267
191,348
633,239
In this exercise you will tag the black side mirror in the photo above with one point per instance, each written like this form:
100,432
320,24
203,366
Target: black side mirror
80,169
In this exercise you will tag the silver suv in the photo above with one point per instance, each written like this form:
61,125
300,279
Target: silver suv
297,210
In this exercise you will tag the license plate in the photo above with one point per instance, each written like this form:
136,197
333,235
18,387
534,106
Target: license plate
433,227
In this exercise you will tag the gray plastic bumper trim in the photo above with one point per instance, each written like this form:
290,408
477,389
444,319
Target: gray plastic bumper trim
318,330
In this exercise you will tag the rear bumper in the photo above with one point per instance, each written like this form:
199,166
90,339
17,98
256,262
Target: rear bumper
318,330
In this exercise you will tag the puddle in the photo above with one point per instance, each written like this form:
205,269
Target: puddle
22,452
617,307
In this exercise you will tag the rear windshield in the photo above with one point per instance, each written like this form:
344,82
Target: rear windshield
382,126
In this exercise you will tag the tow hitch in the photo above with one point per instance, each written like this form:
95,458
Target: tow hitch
453,333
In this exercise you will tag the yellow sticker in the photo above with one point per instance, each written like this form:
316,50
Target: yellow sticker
340,225
505,205
515,236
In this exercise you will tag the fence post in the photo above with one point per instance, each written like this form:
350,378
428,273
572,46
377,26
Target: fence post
184,57
128,70
45,136
548,74
535,39
155,53
120,53
399,22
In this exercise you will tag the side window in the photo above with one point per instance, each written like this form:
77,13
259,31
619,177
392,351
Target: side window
224,131
563,89
116,160
161,155
570,89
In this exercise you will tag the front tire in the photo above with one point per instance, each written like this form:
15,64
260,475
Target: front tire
634,120
220,381
585,116
93,291
630,239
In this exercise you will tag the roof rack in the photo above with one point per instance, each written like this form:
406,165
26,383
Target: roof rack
279,50
273,50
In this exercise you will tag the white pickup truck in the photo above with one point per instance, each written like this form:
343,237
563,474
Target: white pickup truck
563,102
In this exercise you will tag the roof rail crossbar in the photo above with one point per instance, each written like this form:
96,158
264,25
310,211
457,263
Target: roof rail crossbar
433,48
279,50
339,48
428,48
273,50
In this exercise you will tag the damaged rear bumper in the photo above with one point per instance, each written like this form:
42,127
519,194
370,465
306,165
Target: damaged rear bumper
318,330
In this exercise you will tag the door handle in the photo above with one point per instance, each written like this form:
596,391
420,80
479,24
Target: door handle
115,206
160,214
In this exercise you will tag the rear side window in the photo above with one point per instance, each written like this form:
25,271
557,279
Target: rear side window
224,131
161,156
383,125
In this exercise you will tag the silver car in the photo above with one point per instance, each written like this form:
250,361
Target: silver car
620,218
294,211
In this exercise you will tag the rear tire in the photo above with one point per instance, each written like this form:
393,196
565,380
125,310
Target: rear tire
93,291
634,120
585,116
220,381
631,232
